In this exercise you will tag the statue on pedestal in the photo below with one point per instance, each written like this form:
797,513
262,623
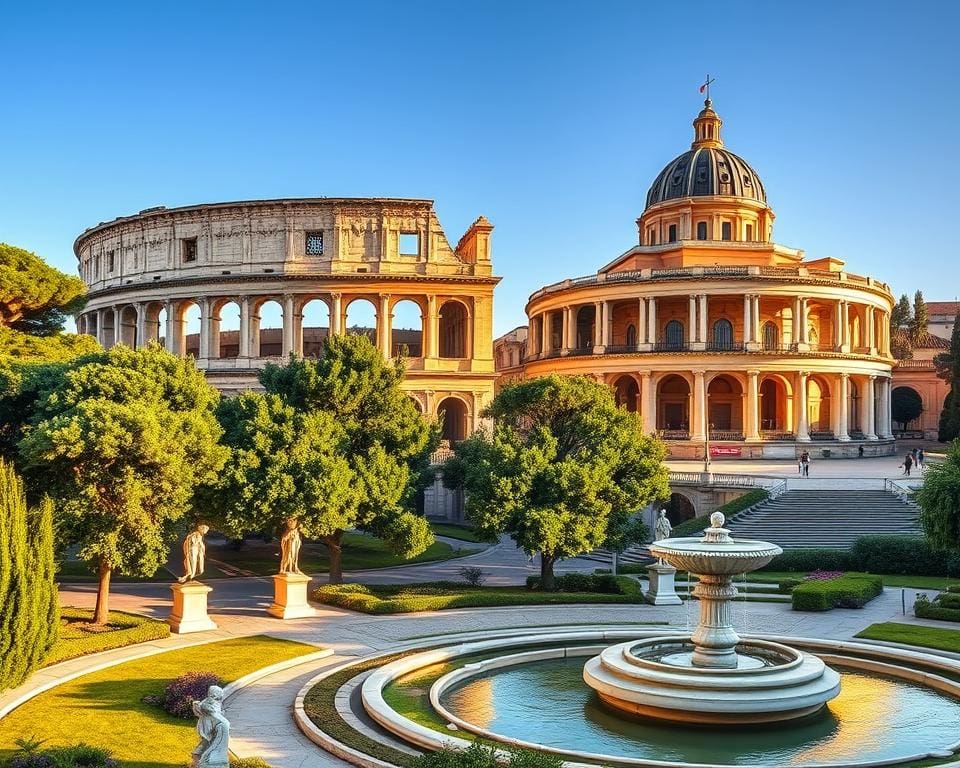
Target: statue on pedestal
663,527
290,544
213,751
194,551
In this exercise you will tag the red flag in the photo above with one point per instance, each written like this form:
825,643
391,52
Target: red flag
703,88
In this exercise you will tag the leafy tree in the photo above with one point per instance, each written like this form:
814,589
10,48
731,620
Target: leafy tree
939,501
905,405
120,440
948,368
946,361
562,472
30,616
387,443
901,316
284,464
901,345
918,328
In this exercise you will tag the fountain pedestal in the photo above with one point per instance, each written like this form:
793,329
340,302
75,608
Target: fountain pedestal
662,590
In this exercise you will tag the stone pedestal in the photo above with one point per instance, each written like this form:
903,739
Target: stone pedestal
290,597
189,612
661,590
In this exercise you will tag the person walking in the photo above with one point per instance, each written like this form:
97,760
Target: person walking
920,458
860,452
805,464
907,463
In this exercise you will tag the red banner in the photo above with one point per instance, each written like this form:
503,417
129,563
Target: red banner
724,450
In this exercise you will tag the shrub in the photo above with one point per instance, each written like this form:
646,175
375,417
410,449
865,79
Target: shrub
948,600
599,583
481,756
954,588
29,619
810,559
249,762
731,508
839,592
472,576
901,554
785,586
944,607
76,756
178,696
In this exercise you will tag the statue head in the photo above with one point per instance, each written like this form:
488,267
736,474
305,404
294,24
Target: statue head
215,692
717,520
293,524
663,513
203,529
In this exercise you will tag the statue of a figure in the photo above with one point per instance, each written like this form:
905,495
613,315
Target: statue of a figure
194,551
290,544
214,730
663,527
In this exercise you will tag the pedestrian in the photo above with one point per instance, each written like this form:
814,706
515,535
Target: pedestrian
907,464
805,463
913,455
920,458
860,452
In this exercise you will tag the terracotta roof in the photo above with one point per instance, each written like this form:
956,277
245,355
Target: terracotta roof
943,307
927,341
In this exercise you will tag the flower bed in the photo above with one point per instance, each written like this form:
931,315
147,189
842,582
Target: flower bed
843,591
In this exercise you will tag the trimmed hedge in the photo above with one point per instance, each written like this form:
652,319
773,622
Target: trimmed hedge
731,508
810,559
944,607
125,629
598,583
840,592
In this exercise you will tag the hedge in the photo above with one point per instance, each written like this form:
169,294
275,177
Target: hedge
598,583
731,508
944,607
840,592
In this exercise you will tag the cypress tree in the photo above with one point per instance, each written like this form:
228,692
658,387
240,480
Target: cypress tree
901,316
950,418
29,620
920,316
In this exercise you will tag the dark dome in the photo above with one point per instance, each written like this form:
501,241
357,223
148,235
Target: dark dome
706,171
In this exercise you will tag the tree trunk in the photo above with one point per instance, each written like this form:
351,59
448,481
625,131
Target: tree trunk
547,581
335,547
101,613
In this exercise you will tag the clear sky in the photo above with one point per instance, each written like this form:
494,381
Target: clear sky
550,118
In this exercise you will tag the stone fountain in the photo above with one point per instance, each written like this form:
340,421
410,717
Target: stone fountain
712,676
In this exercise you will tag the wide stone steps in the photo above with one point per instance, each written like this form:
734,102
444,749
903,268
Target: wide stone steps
821,518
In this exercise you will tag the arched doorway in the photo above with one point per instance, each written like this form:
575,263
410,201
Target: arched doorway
680,509
673,405
774,409
818,405
586,324
453,413
453,330
627,393
725,407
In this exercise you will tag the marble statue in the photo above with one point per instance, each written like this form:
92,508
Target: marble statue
194,551
290,544
663,527
214,730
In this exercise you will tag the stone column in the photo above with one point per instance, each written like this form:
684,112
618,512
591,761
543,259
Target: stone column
804,320
796,321
747,319
693,334
648,403
886,417
607,323
205,307
141,338
170,340
336,314
869,409
214,341
803,430
597,325
383,325
117,325
99,335
846,326
703,321
288,325
843,433
255,332
871,330
753,406
700,407
652,320
756,321
467,342
244,346
838,326
565,338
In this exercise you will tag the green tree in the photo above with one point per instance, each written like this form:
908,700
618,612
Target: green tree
120,440
945,361
284,464
939,501
387,442
918,327
29,620
905,405
948,368
562,472
901,317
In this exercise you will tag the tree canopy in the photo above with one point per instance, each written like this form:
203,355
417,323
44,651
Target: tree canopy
385,440
562,472
939,501
119,440
918,326
905,405
948,368
902,314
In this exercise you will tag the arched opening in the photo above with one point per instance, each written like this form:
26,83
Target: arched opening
673,406
406,334
453,330
154,325
813,337
267,333
187,330
627,393
771,336
453,413
725,408
225,332
674,335
108,336
722,334
906,408
818,406
586,325
773,406
555,330
362,319
162,327
314,327
680,509
631,335
128,326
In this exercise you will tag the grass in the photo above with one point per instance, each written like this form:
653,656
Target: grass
889,580
79,638
914,634
461,532
438,596
105,708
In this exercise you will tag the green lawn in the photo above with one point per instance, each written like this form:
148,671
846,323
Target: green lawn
105,708
460,532
914,634
889,580
79,638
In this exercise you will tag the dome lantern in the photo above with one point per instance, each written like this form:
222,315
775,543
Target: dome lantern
706,128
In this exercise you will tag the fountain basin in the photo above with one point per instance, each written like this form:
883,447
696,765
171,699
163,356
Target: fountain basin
729,557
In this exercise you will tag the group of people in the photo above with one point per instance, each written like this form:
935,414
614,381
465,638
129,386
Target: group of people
914,458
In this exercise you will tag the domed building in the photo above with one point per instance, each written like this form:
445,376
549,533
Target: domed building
717,335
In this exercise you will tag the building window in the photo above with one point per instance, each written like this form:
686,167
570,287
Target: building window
701,230
631,335
725,230
188,249
409,244
722,334
672,233
111,262
651,237
749,233
771,336
674,333
314,244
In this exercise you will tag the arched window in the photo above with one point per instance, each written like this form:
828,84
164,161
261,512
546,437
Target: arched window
771,336
701,230
631,335
723,334
453,330
674,333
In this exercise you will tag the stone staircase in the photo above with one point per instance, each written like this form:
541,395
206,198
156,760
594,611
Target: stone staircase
826,518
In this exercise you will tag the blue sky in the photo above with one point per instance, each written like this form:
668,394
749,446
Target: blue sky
550,118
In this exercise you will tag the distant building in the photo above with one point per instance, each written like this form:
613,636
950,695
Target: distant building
941,315
919,374
508,352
